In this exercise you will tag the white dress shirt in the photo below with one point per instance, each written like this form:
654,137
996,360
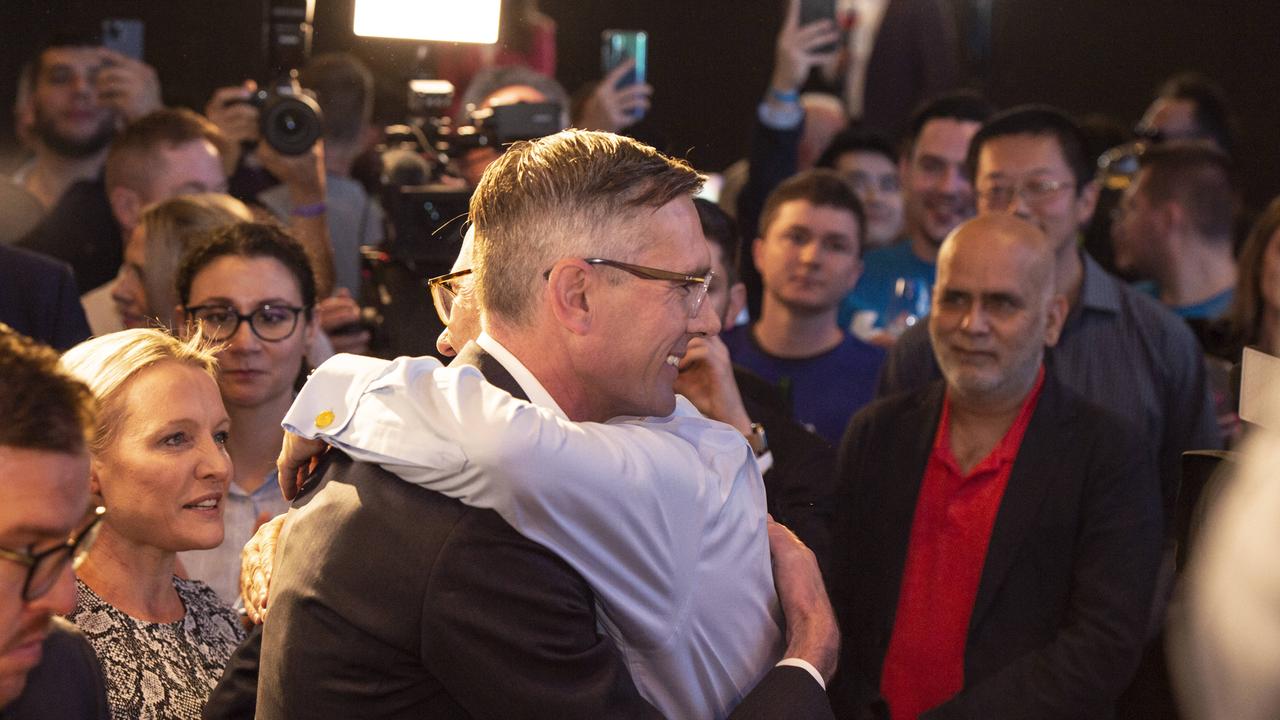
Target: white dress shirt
664,517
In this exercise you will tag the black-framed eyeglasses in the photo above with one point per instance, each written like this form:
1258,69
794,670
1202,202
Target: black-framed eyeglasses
696,285
444,290
271,323
1035,191
45,567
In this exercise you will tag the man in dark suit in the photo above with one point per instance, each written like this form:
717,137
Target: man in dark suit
1003,564
393,601
38,298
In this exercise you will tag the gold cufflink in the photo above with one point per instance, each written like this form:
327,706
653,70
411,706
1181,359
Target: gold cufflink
324,419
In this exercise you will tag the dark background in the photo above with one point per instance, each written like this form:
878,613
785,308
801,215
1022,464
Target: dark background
710,59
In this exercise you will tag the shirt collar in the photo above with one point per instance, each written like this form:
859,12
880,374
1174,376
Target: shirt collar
538,395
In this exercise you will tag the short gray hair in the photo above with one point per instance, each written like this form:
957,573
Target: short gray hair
564,195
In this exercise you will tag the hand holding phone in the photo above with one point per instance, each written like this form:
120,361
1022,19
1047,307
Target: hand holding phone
618,46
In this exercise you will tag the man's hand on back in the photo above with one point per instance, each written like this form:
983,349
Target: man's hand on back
812,633
256,561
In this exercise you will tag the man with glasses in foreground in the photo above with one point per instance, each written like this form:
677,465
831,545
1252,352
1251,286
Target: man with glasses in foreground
591,273
47,669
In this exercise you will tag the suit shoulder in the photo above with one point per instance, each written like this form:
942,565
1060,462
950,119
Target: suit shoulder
20,262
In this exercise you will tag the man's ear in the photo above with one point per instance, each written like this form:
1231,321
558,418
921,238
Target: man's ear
757,248
126,206
1086,203
570,291
737,303
1057,310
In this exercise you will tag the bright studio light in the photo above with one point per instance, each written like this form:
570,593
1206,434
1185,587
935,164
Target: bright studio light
471,21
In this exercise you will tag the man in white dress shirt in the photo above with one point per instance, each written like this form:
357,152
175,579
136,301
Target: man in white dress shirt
591,273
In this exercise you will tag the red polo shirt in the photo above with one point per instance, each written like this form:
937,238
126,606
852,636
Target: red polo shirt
924,665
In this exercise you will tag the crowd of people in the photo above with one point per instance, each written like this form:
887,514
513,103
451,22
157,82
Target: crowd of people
874,430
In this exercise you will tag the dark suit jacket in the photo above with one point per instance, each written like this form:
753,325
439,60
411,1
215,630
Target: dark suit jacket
66,685
915,57
38,298
81,231
393,601
800,489
1062,605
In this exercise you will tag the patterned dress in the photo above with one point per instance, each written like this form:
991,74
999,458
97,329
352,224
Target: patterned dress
160,671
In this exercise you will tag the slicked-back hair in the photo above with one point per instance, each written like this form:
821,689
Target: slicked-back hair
106,364
43,407
134,149
821,188
1197,176
962,106
722,232
251,240
572,194
1213,114
1037,120
857,140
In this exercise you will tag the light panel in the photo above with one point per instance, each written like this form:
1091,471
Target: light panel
470,21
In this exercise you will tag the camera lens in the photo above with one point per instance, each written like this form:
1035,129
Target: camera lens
291,124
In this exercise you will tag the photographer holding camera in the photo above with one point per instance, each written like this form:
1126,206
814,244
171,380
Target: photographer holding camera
317,194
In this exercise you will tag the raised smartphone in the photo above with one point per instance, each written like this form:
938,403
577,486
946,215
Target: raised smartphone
618,46
814,10
124,36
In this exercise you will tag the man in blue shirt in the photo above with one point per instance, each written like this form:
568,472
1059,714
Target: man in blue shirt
937,195
1174,227
808,252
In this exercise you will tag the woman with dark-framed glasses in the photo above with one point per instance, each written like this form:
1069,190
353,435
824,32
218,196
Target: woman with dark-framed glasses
159,466
248,287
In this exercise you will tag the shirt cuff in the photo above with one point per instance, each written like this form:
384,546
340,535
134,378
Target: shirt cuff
765,462
804,665
787,117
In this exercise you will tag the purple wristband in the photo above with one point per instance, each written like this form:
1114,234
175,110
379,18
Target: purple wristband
309,211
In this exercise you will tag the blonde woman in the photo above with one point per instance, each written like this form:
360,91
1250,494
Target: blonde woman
160,466
143,289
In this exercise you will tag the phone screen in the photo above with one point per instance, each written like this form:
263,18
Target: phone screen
618,46
123,36
814,10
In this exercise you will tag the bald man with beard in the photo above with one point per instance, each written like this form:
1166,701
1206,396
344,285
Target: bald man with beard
998,535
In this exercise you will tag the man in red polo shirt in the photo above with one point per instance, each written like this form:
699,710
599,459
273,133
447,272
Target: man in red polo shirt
999,536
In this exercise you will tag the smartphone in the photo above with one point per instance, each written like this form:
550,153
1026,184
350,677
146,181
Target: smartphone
618,46
814,10
124,36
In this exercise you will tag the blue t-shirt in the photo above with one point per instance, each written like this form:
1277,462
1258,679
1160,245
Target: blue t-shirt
1208,309
825,390
881,269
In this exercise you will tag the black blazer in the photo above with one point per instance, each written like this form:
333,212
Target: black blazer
1062,605
393,601
38,298
66,685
